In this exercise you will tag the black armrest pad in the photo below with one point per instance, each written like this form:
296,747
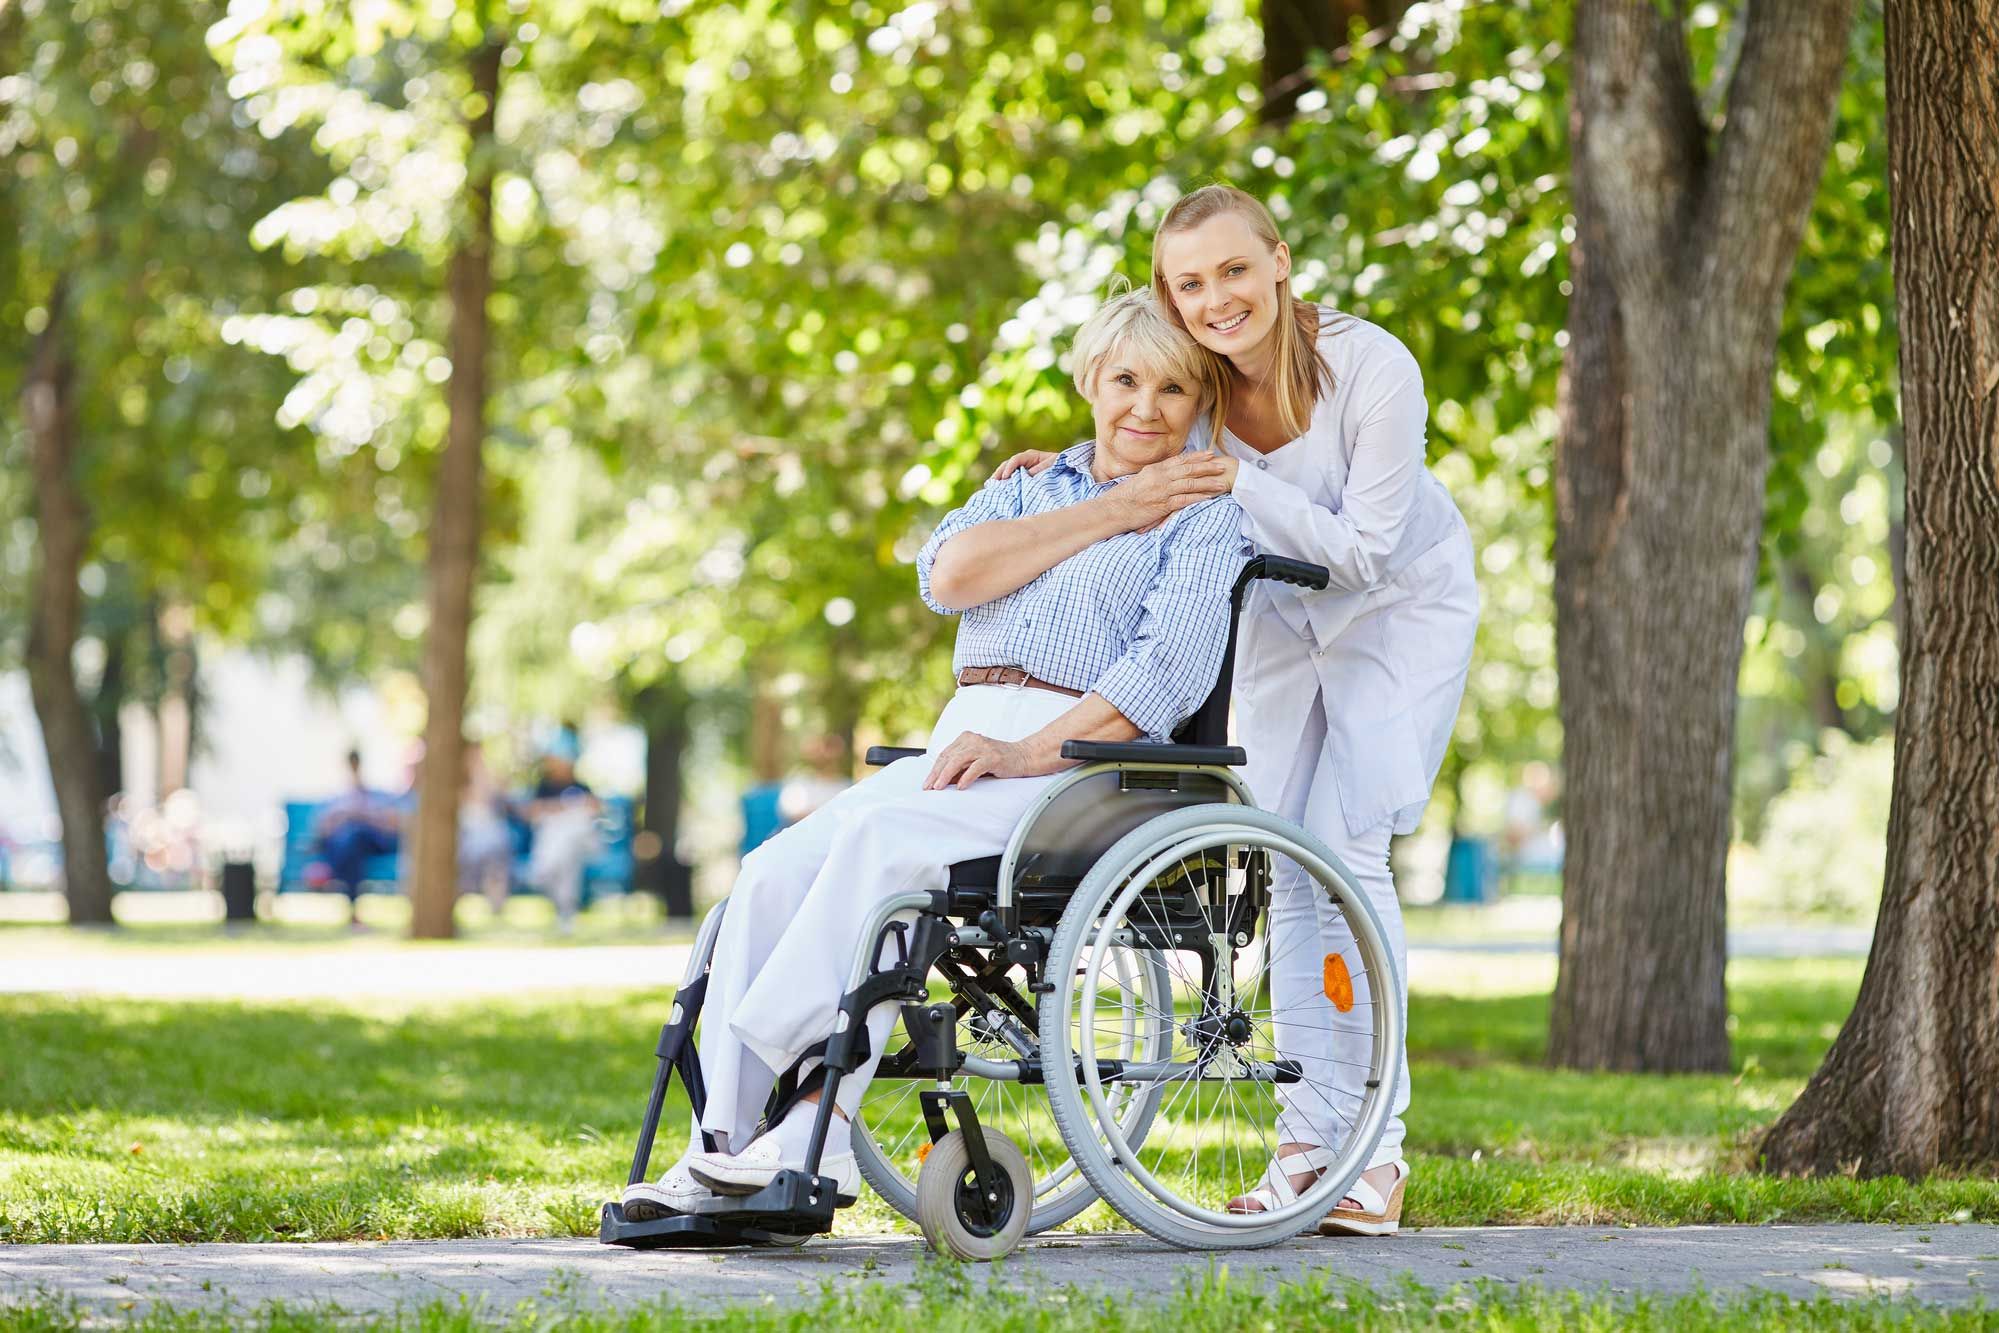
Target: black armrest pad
888,754
1153,752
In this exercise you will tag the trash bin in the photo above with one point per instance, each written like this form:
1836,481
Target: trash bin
239,891
1471,872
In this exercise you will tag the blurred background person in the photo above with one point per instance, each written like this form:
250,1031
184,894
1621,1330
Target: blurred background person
485,839
562,810
360,823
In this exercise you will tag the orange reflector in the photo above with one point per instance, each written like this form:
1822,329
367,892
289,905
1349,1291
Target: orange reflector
923,1152
1339,983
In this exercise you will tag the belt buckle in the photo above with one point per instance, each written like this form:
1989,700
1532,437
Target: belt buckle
1020,684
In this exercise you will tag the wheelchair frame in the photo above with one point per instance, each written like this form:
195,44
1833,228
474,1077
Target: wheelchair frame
797,1204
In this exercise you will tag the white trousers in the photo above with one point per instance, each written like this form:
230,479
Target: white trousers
1332,1048
792,930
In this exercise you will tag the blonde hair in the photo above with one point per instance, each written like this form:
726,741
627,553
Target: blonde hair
1132,327
1299,376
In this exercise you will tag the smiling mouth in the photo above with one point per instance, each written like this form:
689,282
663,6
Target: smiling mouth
1231,324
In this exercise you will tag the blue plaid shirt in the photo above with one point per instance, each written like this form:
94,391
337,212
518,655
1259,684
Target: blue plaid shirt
1141,618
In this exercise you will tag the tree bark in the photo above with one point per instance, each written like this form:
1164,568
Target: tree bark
1684,246
55,616
454,531
1912,1082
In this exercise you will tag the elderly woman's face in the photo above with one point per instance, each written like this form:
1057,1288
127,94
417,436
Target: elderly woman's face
1142,413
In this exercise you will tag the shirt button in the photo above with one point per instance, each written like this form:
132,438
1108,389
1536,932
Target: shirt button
1263,463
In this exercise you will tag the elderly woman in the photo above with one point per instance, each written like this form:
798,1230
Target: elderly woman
1095,601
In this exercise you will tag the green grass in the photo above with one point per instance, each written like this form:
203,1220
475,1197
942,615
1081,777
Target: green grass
953,1301
146,1121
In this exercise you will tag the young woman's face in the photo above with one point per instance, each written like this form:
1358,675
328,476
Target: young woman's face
1142,414
1223,281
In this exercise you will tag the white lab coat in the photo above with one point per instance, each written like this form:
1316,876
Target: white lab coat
1387,646
1345,699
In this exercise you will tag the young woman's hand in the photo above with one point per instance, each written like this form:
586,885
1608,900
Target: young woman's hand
1036,462
1153,494
972,756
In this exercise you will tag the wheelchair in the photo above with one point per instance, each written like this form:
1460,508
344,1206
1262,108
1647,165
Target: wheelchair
1088,1015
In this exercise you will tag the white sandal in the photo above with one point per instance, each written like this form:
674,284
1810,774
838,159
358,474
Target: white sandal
1375,1216
1277,1191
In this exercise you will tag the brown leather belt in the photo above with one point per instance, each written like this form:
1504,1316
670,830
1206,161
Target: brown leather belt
1014,676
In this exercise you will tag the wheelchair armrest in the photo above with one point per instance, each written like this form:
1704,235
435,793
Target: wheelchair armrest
1154,752
888,754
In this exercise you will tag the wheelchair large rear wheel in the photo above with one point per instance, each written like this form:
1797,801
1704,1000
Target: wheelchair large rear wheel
1259,1021
891,1141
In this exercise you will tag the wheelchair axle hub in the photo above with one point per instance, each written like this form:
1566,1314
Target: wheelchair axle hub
1212,1029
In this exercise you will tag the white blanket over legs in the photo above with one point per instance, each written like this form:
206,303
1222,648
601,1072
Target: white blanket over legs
793,925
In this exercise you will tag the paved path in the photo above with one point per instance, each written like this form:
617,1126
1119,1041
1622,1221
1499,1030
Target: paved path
1954,1265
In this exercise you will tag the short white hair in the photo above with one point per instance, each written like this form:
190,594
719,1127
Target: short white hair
1132,329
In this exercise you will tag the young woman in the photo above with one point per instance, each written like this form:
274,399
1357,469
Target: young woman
1345,699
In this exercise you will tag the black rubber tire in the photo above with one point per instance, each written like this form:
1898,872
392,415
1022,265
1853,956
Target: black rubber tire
1068,1100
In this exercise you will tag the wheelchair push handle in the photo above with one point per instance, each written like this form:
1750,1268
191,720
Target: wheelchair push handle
1301,573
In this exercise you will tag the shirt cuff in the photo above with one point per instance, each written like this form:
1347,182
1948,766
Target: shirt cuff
1129,689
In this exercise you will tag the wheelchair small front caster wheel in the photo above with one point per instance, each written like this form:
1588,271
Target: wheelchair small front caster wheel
963,1221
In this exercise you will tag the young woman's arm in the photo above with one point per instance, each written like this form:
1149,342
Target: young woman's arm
983,563
1384,479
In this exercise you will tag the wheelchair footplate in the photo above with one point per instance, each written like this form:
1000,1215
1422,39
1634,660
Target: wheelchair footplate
786,1211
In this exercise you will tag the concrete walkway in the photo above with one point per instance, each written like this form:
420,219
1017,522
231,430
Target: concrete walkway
1945,1265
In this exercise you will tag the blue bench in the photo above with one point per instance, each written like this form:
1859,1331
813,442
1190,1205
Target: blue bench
609,873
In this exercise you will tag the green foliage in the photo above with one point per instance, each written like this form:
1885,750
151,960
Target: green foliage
1824,838
1420,187
131,175
776,285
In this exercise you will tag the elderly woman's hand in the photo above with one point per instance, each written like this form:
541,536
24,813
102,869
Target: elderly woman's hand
1153,494
972,756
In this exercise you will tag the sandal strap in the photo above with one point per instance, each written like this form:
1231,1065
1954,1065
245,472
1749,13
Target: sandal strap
1370,1199
1277,1176
1265,1200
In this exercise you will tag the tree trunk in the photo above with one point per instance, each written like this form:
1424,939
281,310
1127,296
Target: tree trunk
55,616
105,705
664,709
1294,29
1684,246
1819,664
454,530
1912,1082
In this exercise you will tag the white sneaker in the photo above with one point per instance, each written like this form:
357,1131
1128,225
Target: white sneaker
756,1166
675,1192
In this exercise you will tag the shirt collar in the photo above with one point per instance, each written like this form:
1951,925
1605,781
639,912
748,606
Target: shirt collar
1077,458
